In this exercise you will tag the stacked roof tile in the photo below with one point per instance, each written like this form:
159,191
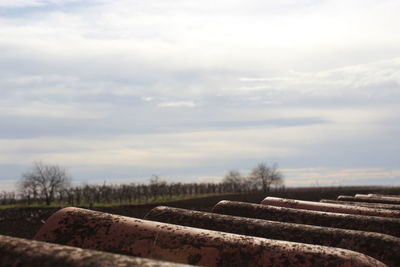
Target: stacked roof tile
363,230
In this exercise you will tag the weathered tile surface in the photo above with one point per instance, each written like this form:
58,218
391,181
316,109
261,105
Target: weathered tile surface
20,252
363,204
95,230
390,226
369,199
328,207
382,247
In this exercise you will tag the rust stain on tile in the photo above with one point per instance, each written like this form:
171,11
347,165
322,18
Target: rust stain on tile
28,253
385,248
328,207
389,226
363,204
95,230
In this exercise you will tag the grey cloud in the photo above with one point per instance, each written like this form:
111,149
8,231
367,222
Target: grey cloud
83,72
376,151
365,84
12,127
33,7
11,171
277,122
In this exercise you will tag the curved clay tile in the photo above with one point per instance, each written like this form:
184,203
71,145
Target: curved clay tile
366,198
28,253
100,231
363,204
385,248
328,207
389,226
380,195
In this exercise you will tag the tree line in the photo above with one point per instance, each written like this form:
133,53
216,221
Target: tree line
48,184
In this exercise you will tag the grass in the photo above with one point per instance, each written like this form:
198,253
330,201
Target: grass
111,204
306,193
34,205
157,200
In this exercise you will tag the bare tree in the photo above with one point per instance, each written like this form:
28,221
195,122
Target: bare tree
156,186
43,182
232,177
265,176
234,180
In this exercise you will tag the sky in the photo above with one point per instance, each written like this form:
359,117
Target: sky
118,91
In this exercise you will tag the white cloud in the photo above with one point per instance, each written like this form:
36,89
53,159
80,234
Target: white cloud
40,3
20,3
147,98
110,79
8,185
177,104
323,176
43,110
189,35
377,80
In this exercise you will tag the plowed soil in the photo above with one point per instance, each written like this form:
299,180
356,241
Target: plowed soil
25,222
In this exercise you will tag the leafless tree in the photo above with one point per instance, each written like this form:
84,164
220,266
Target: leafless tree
43,181
234,180
7,198
233,177
157,186
265,176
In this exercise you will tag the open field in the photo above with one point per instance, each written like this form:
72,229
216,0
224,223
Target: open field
25,222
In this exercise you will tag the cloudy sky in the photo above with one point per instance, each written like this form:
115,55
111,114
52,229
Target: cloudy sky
120,90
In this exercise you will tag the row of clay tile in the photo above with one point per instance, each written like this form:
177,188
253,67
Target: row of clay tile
363,204
176,243
371,199
385,248
20,252
389,226
287,232
329,207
